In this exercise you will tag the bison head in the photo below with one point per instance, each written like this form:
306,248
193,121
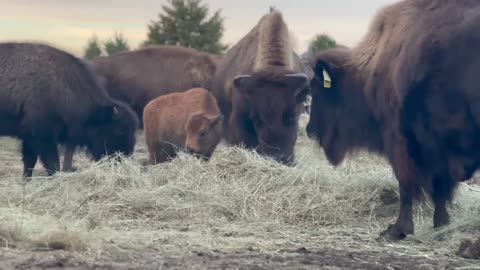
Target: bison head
340,119
112,131
204,132
267,106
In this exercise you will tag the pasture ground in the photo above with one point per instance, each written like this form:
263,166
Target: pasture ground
238,211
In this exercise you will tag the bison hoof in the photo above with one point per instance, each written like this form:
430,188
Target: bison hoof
394,232
440,221
70,169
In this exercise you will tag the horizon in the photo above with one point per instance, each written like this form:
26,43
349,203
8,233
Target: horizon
68,25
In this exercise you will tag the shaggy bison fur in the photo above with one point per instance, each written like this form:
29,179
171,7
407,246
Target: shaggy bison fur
408,91
139,76
190,120
48,96
261,85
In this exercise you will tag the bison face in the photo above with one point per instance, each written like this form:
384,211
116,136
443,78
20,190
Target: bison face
113,132
204,133
270,105
339,118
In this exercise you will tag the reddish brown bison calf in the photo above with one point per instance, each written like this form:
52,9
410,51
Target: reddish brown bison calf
409,91
48,96
190,120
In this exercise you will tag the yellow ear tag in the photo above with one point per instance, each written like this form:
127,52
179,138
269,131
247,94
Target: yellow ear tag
327,81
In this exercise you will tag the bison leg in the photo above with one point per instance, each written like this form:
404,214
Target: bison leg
48,152
30,157
440,195
405,173
163,152
68,159
404,224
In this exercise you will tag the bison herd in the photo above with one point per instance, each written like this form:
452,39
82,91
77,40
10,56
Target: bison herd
408,91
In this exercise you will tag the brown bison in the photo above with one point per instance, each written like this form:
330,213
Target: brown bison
136,77
48,96
408,91
260,86
190,120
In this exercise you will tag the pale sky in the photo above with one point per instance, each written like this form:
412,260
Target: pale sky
68,24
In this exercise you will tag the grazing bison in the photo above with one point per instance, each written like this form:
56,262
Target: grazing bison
260,86
136,77
408,91
48,96
190,120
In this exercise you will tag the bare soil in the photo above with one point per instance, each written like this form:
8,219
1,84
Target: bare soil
239,259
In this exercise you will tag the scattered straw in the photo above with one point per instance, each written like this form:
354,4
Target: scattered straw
236,200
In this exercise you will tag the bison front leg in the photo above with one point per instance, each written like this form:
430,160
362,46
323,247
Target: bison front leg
404,224
48,151
443,187
30,157
404,170
68,159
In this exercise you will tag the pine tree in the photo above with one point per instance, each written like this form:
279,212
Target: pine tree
92,49
116,44
185,23
321,42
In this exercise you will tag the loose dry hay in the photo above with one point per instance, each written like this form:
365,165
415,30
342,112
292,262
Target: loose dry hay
236,200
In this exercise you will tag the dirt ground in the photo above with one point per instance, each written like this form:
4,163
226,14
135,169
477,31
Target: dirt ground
295,247
239,259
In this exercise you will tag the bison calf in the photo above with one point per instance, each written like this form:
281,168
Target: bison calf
190,120
49,97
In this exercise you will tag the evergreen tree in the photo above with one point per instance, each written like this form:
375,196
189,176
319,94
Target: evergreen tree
116,44
321,42
93,48
185,23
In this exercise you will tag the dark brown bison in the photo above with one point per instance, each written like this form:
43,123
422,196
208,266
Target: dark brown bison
136,77
260,86
48,96
408,91
190,120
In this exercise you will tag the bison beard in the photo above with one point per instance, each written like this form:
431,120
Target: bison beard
48,97
408,91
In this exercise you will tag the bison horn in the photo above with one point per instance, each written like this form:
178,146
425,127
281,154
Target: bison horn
298,75
239,80
115,110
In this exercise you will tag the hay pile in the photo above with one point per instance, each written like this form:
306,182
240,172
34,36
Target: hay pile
236,200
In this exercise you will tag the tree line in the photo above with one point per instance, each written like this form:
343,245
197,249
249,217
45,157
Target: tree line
185,23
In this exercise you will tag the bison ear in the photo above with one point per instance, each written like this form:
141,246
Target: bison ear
194,121
327,71
215,119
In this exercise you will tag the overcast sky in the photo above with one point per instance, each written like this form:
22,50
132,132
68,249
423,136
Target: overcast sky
69,23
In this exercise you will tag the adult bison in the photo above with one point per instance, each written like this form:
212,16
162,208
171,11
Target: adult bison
48,96
260,86
136,77
408,91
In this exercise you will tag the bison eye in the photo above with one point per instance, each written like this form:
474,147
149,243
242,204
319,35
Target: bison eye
202,134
